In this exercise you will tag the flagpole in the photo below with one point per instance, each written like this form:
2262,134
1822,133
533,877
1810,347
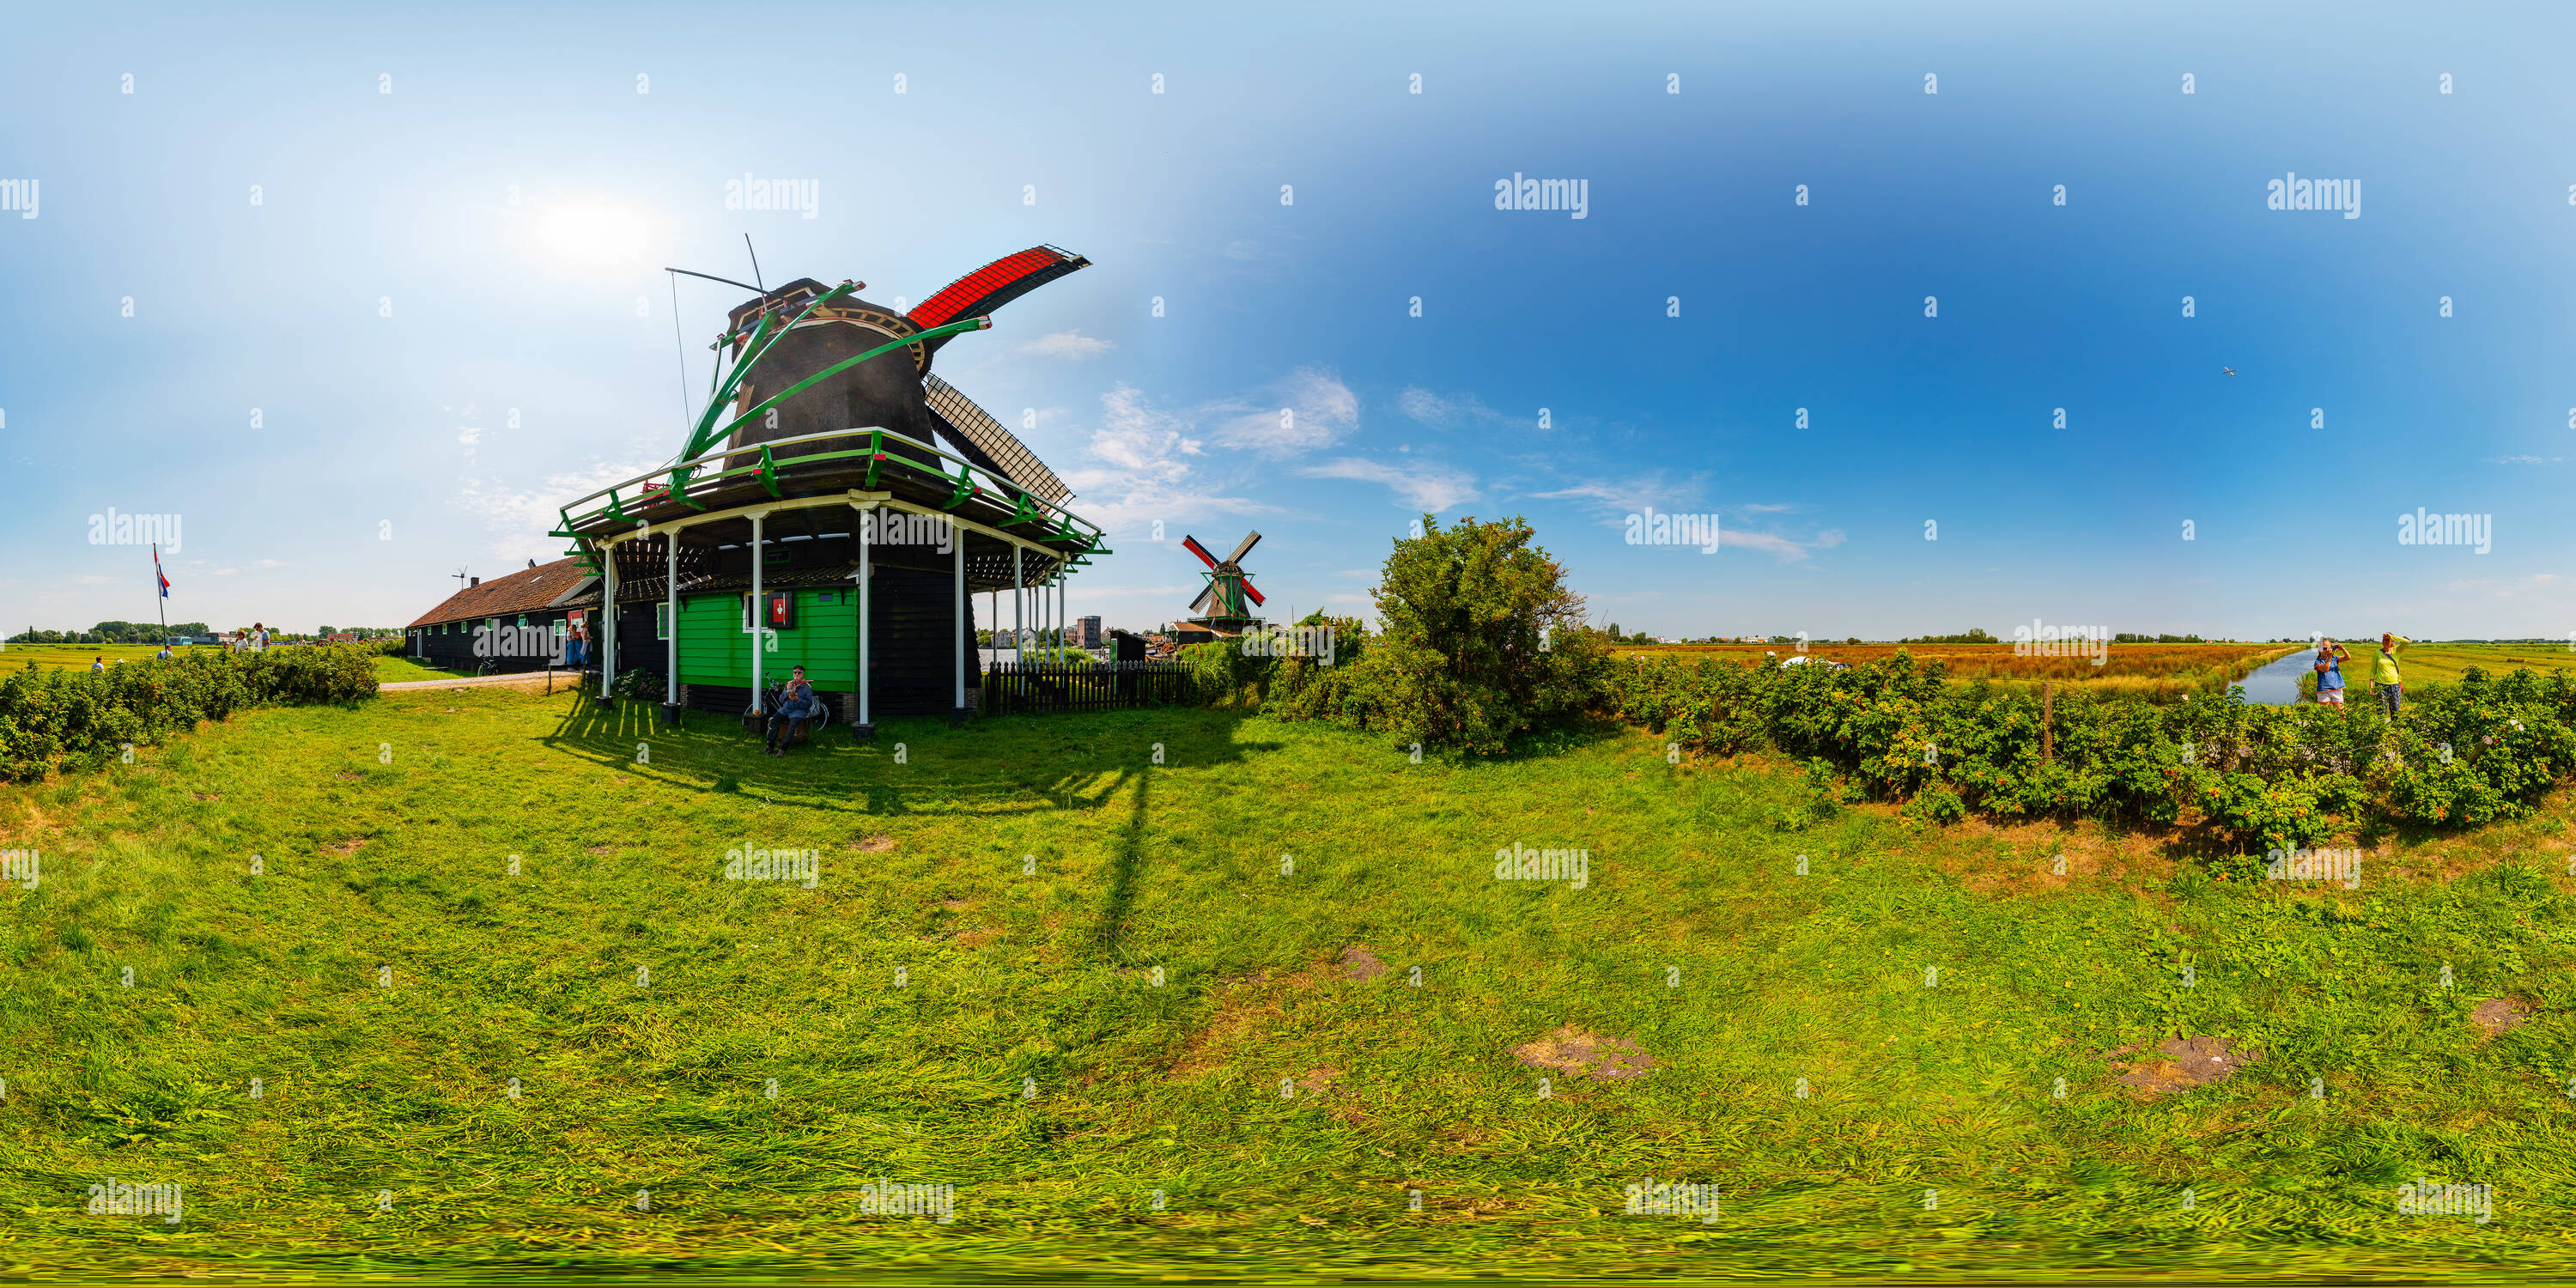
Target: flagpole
160,597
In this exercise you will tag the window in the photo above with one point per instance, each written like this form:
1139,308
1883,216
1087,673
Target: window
662,621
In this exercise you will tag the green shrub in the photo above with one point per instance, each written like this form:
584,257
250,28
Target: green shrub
68,719
2263,776
1479,640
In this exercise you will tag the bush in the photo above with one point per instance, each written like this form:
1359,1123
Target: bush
71,719
2265,776
639,684
1480,640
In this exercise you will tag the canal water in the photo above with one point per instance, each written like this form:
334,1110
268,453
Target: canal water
2277,683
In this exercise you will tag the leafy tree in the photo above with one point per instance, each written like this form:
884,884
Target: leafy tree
1480,639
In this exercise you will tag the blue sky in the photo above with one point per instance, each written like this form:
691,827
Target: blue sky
514,198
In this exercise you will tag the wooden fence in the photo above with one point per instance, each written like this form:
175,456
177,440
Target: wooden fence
1013,687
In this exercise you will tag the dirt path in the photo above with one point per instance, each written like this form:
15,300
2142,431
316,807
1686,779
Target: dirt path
560,678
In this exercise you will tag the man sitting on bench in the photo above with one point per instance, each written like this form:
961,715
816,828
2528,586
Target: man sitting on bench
796,706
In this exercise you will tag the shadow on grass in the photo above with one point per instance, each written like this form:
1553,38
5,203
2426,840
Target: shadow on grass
1007,766
1122,867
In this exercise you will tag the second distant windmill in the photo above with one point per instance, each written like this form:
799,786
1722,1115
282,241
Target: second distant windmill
1225,606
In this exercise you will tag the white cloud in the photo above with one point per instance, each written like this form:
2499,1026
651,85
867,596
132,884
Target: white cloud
1307,410
519,519
1145,467
1613,500
1432,409
1424,487
1785,549
1068,344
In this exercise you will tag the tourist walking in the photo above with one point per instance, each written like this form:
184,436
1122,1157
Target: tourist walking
2383,673
2330,659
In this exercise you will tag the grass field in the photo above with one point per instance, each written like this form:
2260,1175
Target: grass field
77,656
1163,1018
391,670
2430,664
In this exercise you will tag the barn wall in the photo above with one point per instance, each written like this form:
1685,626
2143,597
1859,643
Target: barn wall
913,649
714,649
451,644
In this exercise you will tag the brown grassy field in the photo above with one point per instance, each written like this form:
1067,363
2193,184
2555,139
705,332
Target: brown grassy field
2153,671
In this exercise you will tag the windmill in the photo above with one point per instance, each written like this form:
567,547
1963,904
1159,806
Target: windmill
1221,607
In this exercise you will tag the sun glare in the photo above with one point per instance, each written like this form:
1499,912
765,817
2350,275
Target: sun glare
591,235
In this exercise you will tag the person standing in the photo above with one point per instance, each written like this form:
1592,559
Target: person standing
2330,659
2383,673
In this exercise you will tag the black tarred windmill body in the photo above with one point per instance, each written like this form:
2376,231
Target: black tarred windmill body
834,506
1225,604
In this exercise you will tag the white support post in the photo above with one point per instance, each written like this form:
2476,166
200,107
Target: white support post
1019,601
759,609
962,638
608,621
867,527
671,586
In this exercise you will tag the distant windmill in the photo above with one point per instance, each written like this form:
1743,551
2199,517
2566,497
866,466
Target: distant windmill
459,575
1222,605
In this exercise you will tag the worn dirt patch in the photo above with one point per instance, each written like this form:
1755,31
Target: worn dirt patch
1359,963
956,905
2185,1064
976,937
877,844
1240,1016
350,775
2034,847
1318,1081
603,849
349,846
208,796
1581,1052
2499,1015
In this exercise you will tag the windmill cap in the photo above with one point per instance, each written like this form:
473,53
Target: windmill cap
791,295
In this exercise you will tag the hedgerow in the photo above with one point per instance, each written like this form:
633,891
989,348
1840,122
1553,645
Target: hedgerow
53,719
2268,776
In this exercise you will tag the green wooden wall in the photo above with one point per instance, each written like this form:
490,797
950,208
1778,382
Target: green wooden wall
714,649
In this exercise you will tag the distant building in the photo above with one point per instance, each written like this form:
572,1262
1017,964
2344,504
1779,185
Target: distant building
554,599
1088,629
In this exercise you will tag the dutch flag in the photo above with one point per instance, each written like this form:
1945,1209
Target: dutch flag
157,574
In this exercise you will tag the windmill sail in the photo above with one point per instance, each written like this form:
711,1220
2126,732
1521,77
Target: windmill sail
994,285
978,433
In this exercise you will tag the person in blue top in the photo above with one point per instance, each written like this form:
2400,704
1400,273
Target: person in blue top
797,706
2330,659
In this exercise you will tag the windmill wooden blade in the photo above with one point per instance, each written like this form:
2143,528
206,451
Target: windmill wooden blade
1254,591
1206,597
996,284
972,428
1244,549
1192,545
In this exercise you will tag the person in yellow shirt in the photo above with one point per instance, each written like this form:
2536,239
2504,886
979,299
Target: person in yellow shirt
2383,673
